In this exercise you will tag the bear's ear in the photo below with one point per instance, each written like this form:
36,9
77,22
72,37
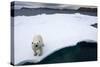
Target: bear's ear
32,42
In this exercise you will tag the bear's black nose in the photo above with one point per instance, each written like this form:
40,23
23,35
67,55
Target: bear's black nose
36,45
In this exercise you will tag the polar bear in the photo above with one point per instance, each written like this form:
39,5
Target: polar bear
37,45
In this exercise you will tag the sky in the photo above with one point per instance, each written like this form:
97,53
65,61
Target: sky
19,4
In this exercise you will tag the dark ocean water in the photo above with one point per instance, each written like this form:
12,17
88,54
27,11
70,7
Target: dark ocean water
83,51
36,11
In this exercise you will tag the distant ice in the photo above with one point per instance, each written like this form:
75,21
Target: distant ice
58,31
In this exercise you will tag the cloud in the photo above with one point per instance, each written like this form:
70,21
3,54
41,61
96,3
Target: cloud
20,4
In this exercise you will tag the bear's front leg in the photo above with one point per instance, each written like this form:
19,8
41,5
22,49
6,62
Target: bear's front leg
35,53
41,51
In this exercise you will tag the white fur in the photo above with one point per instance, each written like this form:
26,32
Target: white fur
37,40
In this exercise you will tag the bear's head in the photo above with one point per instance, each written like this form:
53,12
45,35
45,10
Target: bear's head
36,43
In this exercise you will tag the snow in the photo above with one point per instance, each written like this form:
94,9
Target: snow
58,31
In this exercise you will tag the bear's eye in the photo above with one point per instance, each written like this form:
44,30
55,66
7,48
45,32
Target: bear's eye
32,42
39,41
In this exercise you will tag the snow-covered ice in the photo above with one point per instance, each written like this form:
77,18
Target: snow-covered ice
58,31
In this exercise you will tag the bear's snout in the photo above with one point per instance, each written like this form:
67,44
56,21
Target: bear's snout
36,45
